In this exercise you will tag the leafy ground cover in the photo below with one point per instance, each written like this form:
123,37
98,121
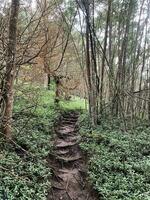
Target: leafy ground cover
119,165
25,172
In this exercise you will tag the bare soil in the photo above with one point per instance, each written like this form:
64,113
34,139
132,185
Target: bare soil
69,181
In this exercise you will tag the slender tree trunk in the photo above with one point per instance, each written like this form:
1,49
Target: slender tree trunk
123,32
136,58
48,81
10,70
88,63
104,56
94,73
148,106
110,55
91,64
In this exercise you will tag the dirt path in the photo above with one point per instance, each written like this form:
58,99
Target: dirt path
68,164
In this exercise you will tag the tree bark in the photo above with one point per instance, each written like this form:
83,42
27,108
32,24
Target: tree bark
104,56
88,63
48,81
91,65
8,95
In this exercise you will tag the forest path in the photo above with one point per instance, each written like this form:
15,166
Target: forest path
68,163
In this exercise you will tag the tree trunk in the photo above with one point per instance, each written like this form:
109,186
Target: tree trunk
136,56
104,56
91,66
10,70
48,82
88,64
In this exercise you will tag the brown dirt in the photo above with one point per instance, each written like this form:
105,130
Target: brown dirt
68,163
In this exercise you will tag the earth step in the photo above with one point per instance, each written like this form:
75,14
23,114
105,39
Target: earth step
70,158
70,114
62,152
71,173
70,119
66,175
74,120
58,185
70,137
62,144
68,171
73,138
67,125
64,127
66,130
64,135
65,121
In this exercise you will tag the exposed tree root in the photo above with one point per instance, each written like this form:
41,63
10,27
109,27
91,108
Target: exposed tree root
68,164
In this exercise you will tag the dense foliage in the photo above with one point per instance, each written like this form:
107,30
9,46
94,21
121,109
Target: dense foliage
25,171
119,165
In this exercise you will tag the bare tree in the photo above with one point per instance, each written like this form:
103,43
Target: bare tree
10,69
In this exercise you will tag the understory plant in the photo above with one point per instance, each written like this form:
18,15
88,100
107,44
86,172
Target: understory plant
25,174
119,162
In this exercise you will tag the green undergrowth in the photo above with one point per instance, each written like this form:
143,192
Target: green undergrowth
119,162
75,103
25,174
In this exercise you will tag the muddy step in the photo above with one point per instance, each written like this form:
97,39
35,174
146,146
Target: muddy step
69,119
70,137
68,171
66,125
58,185
62,144
65,173
69,158
63,126
62,152
65,130
67,137
74,119
70,114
